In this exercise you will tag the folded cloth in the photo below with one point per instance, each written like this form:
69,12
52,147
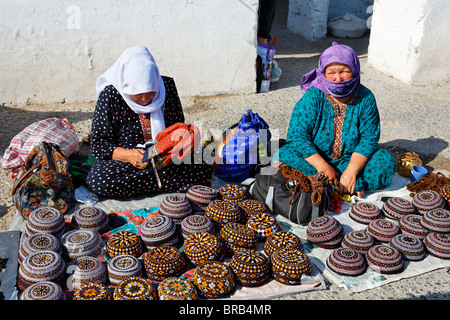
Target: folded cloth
175,142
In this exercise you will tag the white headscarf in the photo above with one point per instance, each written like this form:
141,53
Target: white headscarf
136,72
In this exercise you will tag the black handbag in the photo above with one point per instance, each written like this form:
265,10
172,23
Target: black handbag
297,197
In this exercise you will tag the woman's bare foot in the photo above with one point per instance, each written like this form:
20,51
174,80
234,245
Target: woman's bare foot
360,194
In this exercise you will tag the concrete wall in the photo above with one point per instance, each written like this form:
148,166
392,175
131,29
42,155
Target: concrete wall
309,18
410,40
54,50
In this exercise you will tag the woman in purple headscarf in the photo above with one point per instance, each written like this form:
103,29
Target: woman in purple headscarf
335,127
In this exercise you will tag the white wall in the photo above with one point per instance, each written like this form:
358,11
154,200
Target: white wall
410,40
54,50
308,18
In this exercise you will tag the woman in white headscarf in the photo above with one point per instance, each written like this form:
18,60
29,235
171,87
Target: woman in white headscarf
134,104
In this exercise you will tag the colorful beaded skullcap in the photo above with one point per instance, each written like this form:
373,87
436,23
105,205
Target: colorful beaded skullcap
438,245
358,240
364,212
384,259
396,207
437,220
175,207
289,264
264,224
411,247
124,242
281,239
346,261
427,200
196,223
135,288
88,269
236,236
41,266
43,290
251,206
90,218
325,232
444,191
174,288
200,196
45,220
213,279
163,262
410,225
122,267
221,212
78,243
250,267
203,246
382,230
39,242
91,291
159,230
233,193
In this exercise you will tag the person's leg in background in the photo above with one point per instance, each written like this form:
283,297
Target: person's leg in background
266,14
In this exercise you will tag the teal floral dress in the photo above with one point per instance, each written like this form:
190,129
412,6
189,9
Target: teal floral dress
311,131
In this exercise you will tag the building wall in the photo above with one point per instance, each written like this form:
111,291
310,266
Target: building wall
54,50
409,40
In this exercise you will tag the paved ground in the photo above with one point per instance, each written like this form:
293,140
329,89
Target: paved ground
413,118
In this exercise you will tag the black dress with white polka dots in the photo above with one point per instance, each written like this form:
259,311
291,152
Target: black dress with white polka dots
116,125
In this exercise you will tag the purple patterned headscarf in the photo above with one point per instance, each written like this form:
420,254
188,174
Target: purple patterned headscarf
316,78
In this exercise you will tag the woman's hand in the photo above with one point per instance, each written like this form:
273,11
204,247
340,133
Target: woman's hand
347,182
133,156
322,166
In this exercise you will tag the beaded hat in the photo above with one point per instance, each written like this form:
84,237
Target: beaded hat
444,191
200,196
45,220
251,206
325,232
90,218
438,244
78,243
221,212
411,247
43,290
410,225
214,279
233,193
281,239
250,267
236,236
39,242
427,200
175,288
41,266
163,262
384,259
159,230
396,207
358,240
122,267
288,265
88,269
437,220
364,212
91,291
196,223
264,224
382,230
346,261
124,242
175,207
135,288
203,246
